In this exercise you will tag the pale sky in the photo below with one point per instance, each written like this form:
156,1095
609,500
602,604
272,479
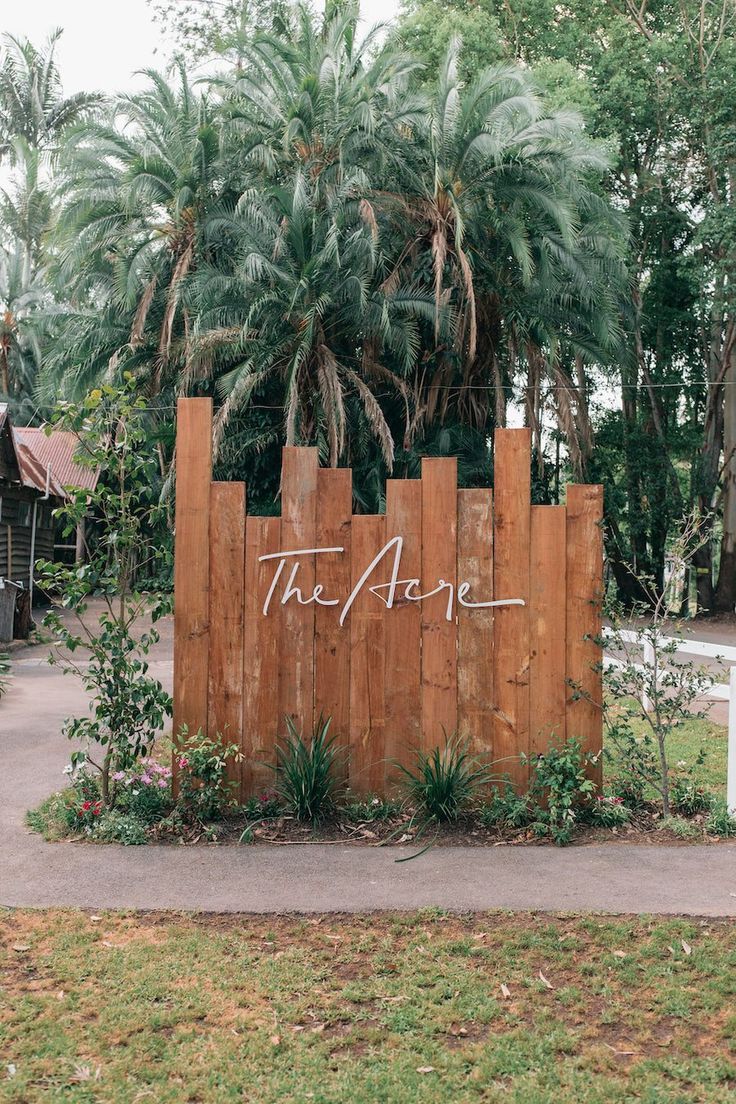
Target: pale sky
105,42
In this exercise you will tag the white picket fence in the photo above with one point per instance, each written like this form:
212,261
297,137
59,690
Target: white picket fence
716,691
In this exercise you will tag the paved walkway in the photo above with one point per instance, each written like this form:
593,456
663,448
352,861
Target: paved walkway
319,877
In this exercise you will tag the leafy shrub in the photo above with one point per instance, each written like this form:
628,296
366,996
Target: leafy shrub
306,780
144,793
631,788
205,792
688,798
4,673
683,829
371,809
444,781
506,808
128,706
115,826
263,807
609,811
559,787
720,822
51,819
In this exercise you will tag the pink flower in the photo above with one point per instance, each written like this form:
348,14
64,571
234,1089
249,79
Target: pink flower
162,783
183,762
146,779
118,776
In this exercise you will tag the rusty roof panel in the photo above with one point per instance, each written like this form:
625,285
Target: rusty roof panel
56,452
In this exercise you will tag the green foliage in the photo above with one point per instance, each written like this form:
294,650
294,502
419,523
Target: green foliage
680,827
4,673
688,798
263,807
649,683
720,822
115,826
559,789
205,793
608,811
507,809
369,809
445,780
128,706
307,782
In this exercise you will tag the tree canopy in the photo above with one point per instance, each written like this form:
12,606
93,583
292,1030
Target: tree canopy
386,244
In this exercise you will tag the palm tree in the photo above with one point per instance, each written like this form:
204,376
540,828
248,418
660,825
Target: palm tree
32,105
136,193
21,296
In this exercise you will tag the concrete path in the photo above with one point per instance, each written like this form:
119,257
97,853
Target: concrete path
618,878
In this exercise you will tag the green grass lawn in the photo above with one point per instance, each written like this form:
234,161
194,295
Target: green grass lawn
683,745
406,1008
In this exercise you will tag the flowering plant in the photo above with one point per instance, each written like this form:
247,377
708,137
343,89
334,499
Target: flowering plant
205,775
144,790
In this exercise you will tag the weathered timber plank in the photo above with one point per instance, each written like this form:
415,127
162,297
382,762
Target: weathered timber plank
584,600
548,629
227,549
475,626
511,538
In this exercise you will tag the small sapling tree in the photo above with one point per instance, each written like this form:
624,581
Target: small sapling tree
646,682
108,652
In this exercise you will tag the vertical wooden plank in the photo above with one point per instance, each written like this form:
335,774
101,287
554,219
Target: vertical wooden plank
584,601
298,531
475,626
547,629
191,564
332,641
439,635
262,723
227,545
366,621
512,522
403,630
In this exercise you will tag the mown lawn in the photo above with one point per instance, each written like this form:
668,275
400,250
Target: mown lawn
408,1008
684,745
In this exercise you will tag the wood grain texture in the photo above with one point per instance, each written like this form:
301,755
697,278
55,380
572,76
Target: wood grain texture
332,641
262,722
439,636
403,630
584,600
298,530
475,626
227,549
547,629
367,685
192,566
511,537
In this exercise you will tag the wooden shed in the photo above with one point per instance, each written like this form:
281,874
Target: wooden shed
34,470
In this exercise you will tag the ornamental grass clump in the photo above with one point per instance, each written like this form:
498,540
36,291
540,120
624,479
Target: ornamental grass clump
444,782
308,784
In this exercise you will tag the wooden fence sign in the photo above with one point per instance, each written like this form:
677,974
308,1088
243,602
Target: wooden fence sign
458,611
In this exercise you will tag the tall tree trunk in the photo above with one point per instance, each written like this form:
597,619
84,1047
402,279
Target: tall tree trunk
725,596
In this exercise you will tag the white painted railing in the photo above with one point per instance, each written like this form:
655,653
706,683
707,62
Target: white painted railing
721,691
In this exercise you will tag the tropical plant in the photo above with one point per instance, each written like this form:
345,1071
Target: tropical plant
307,772
444,781
138,190
32,105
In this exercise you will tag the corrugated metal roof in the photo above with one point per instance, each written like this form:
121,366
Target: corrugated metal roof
55,452
33,473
